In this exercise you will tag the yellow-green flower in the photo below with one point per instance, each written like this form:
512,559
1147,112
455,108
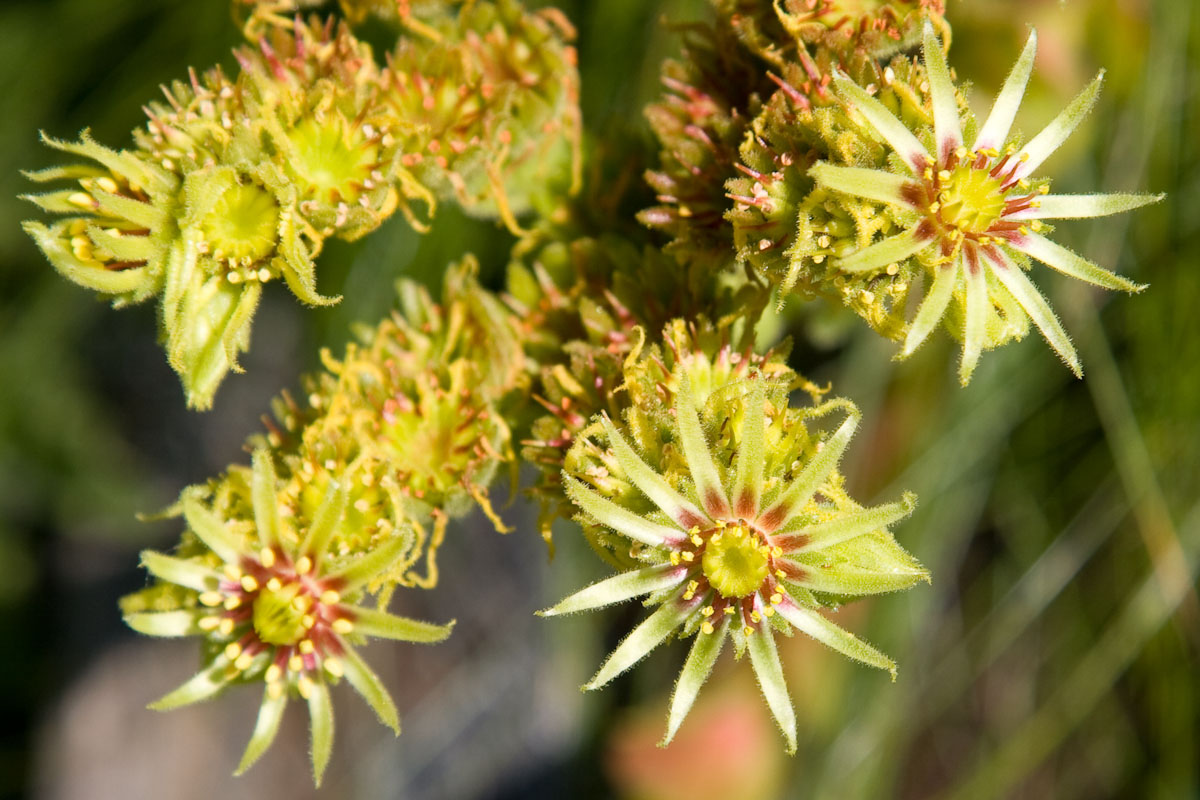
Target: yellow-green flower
974,215
275,602
741,530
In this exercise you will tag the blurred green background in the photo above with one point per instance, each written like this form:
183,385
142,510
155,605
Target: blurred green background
1054,656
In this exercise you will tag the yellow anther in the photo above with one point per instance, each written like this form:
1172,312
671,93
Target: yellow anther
944,175
708,611
308,621
243,662
232,572
961,152
226,626
748,630
1036,225
757,617
696,540
780,573
305,646
81,199
707,627
273,673
928,173
687,555
305,685
693,585
330,597
1024,157
274,584
233,650
768,612
274,690
211,599
1023,183
717,537
1044,189
342,625
295,663
267,557
361,505
1024,230
208,623
108,184
304,565
232,602
689,594
776,599
334,667
721,524
729,610
249,584
777,551
674,558
694,530
934,207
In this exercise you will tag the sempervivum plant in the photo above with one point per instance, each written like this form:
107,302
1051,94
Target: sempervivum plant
739,529
276,603
974,215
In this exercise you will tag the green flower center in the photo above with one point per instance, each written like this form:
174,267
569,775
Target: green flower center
331,165
277,620
242,225
735,562
971,200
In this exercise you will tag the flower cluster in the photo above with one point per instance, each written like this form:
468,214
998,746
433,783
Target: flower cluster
238,182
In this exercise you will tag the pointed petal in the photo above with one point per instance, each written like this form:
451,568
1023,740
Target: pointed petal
697,453
946,125
994,132
1053,135
705,650
370,565
1060,258
210,529
180,571
325,521
1081,206
872,184
769,672
1027,295
815,473
832,636
383,625
367,684
653,485
850,526
270,713
642,639
200,686
621,520
933,307
263,490
976,321
910,150
620,587
163,623
889,251
857,581
751,458
320,715
88,274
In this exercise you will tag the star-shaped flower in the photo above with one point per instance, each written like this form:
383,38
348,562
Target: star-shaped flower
974,212
746,546
275,604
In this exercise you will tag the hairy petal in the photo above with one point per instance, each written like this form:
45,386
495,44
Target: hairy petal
367,683
833,636
946,125
266,727
625,522
1053,135
893,131
697,452
653,485
1082,206
705,650
644,638
620,587
1060,258
994,132
769,672
872,184
1027,295
933,306
889,251
978,305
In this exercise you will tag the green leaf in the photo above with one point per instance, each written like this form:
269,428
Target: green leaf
164,623
266,727
872,184
642,639
180,571
383,625
210,528
264,492
814,473
200,686
623,586
833,636
651,484
765,659
621,520
367,684
320,716
703,655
